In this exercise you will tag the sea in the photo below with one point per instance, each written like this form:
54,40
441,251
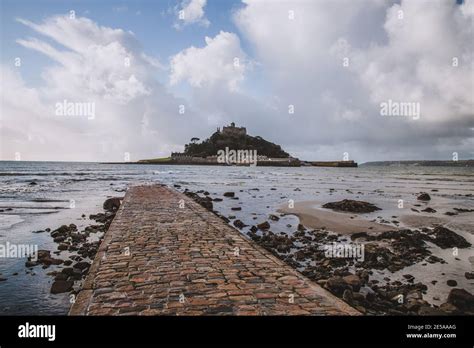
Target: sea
35,196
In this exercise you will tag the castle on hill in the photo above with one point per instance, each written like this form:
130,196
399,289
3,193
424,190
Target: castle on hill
232,130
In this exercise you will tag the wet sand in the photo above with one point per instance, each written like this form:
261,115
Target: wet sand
312,216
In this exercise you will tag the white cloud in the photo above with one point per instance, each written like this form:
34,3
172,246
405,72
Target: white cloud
94,64
191,12
336,107
221,62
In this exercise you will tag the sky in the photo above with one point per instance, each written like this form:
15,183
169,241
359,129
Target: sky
326,79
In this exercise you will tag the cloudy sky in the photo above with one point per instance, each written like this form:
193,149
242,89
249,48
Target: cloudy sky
311,75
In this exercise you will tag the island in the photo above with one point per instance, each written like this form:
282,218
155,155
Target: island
232,145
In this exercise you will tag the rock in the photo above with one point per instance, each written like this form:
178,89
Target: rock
82,265
67,271
429,210
60,276
263,226
112,204
59,239
469,275
3,279
462,299
423,196
354,281
414,295
347,295
337,285
273,217
463,210
206,202
43,254
229,194
30,264
349,205
60,231
236,208
33,183
63,246
60,286
357,235
452,282
445,238
239,224
217,199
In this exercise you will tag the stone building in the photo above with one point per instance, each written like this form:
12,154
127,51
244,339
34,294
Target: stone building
233,130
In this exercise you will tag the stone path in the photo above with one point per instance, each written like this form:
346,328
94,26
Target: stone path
166,255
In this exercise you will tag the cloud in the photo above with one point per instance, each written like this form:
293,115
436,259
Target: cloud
295,55
302,46
103,66
191,12
221,62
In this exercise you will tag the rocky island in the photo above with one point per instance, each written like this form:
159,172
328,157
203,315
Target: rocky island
233,146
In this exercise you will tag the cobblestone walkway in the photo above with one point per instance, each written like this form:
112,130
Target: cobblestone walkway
166,255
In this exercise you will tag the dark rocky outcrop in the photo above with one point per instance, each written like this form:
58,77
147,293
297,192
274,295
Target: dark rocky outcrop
445,238
351,206
462,299
112,204
423,196
60,286
234,141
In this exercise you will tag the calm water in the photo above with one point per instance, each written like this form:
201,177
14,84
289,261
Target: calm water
65,191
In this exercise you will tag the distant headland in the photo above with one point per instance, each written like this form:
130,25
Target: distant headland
233,146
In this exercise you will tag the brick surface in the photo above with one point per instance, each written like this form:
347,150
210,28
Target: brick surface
160,259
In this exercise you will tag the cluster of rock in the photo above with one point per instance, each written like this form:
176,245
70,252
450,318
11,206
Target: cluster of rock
351,206
349,278
81,249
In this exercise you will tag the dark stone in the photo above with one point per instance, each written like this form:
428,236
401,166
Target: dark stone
112,204
429,210
452,282
60,286
236,208
445,238
239,224
337,285
263,226
63,246
423,196
67,271
30,264
462,299
273,217
229,194
349,205
354,282
82,265
469,275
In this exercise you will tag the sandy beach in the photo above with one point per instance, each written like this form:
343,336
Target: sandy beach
313,216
